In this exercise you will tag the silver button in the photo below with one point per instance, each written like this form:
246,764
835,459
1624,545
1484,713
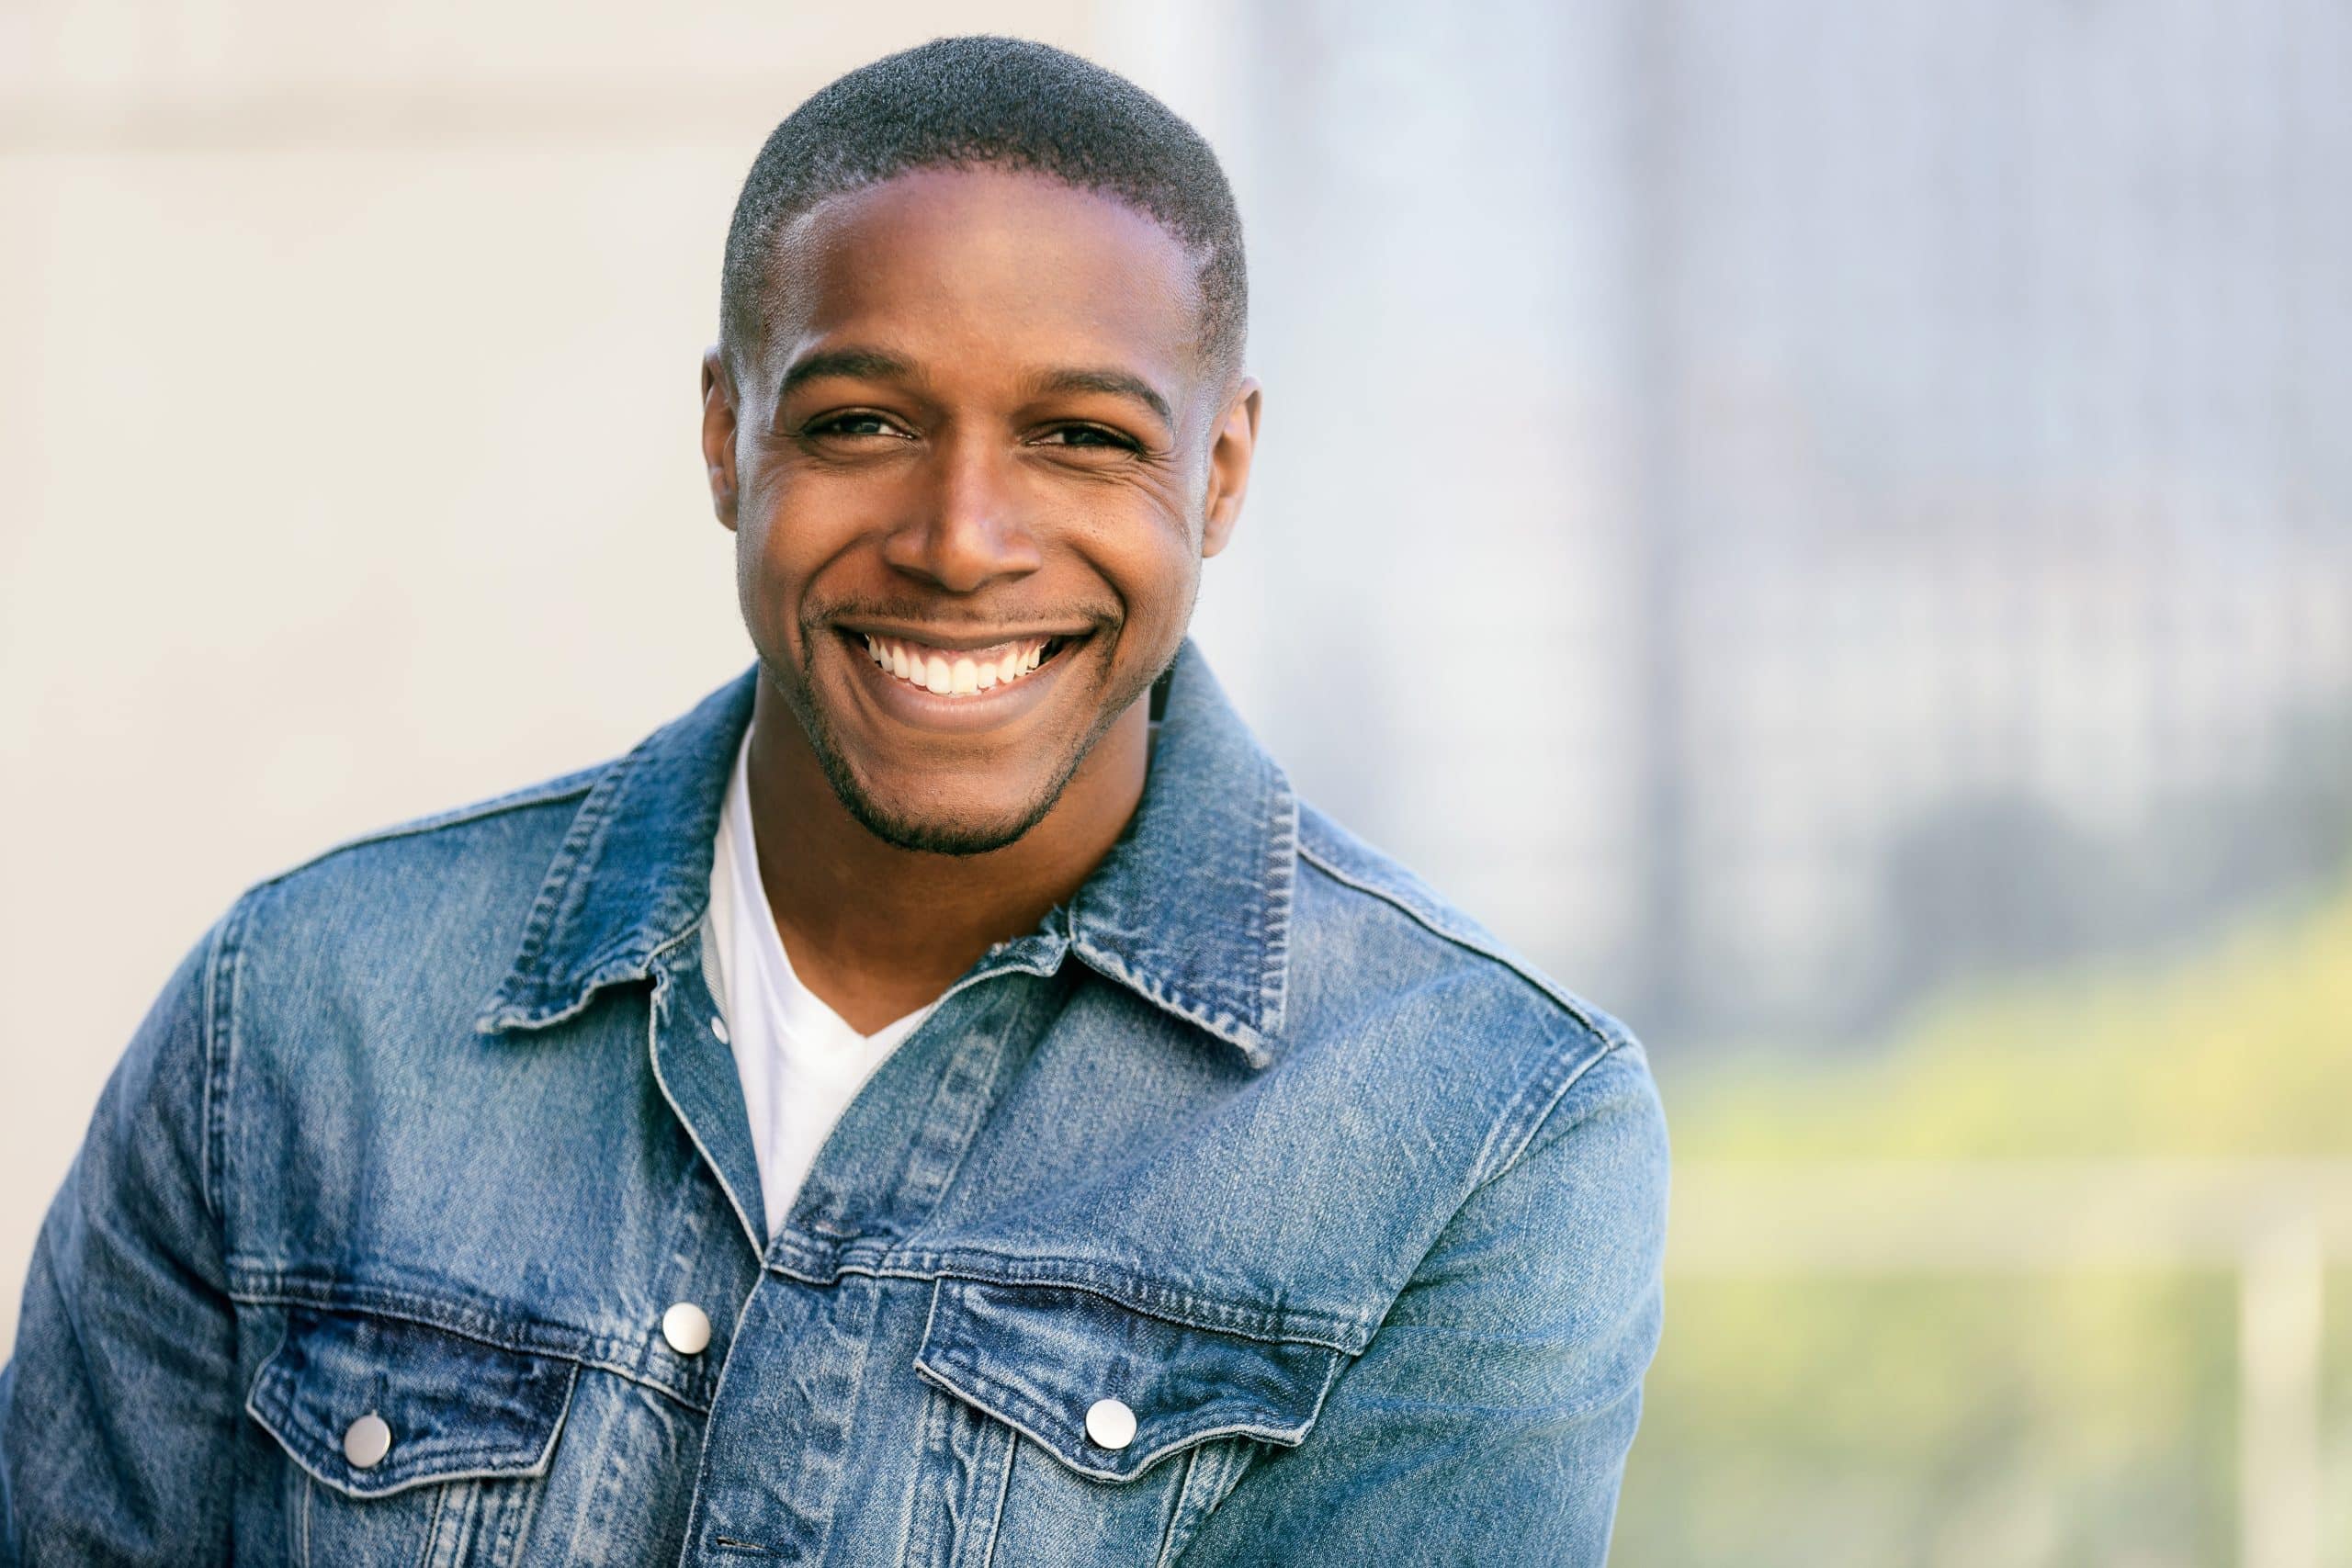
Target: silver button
719,1027
365,1441
687,1328
1110,1424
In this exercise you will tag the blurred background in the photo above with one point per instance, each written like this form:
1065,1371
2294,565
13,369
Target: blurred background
1829,526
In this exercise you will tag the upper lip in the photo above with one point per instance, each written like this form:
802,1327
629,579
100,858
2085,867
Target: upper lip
956,641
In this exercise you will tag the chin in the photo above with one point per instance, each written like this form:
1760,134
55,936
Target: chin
910,816
937,832
938,810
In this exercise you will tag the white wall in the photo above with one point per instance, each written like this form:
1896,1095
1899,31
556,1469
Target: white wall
347,445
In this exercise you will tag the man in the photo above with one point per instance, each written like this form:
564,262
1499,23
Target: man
944,1100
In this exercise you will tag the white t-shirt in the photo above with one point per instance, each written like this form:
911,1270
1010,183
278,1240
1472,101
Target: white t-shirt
800,1062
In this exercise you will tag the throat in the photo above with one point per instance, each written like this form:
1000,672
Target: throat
867,971
877,931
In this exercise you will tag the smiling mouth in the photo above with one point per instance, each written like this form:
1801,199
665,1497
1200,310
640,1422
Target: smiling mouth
959,671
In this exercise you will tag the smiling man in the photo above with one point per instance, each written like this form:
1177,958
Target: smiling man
944,1100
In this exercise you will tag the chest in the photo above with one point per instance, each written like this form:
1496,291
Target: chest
1033,1302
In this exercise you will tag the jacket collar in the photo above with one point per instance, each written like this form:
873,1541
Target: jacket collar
1190,910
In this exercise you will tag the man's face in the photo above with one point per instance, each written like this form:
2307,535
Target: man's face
973,472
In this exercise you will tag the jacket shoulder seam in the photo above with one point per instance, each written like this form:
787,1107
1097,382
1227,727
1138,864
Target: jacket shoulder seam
216,1002
550,792
1592,1036
1516,1129
1605,1030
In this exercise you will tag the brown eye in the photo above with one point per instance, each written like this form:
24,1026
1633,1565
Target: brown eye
854,425
1086,435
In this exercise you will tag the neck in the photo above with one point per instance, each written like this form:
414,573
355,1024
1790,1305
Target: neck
877,931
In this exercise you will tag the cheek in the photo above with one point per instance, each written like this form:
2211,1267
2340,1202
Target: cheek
1140,544
805,525
1157,576
768,580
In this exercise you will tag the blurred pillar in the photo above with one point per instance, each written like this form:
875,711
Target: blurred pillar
1656,393
2279,1365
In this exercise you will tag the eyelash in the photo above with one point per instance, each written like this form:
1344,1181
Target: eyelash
1110,438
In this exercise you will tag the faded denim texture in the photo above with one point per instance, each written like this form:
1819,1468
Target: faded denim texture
1362,1218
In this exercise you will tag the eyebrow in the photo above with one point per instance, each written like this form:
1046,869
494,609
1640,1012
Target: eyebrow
858,364
1118,383
880,365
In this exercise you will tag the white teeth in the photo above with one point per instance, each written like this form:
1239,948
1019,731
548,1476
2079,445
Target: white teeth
950,673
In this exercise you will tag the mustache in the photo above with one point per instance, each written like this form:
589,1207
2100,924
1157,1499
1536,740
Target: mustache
964,620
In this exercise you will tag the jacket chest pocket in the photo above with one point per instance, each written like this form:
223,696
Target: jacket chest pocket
1113,1433
408,1444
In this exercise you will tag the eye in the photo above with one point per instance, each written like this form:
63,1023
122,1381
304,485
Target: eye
1086,435
852,424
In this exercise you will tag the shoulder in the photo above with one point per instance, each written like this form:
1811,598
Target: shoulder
1372,939
446,894
1333,852
1387,913
440,830
491,831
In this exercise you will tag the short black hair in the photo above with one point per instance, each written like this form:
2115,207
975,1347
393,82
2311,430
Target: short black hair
982,100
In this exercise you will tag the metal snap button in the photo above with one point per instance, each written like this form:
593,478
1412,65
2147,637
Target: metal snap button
719,1028
365,1441
1110,1424
687,1328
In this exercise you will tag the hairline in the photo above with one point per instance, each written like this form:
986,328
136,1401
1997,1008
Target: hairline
1225,369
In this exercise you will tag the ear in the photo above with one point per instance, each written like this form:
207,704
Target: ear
1236,443
719,432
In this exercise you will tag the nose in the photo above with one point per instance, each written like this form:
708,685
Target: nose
968,531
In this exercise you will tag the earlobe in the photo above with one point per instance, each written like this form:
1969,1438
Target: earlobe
718,434
1229,460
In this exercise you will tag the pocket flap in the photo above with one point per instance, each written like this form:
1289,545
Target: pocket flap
1039,1357
451,1406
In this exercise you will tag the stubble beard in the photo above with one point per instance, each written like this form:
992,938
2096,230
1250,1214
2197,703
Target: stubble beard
933,835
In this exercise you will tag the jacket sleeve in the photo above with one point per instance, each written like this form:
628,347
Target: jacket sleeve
1488,1419
117,1415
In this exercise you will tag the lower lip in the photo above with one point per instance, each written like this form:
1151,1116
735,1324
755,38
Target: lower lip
922,708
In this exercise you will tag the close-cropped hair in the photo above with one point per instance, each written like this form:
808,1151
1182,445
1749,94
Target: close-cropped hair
991,101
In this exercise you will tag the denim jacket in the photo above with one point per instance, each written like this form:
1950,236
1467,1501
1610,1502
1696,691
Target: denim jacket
1255,1208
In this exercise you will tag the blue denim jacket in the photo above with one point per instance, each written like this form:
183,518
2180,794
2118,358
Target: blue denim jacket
1358,1217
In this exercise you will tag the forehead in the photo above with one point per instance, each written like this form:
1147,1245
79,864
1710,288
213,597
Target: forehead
978,265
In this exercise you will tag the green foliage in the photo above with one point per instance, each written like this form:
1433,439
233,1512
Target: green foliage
2244,1051
2083,1417
1937,1424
